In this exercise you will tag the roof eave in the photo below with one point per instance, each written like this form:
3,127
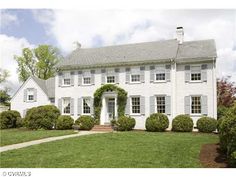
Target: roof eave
64,67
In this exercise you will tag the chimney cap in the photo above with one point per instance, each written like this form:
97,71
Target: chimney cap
179,27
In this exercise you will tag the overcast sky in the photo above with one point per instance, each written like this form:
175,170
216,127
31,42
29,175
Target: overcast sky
60,28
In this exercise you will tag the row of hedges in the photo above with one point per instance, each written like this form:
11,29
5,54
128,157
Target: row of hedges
44,117
48,117
182,123
227,135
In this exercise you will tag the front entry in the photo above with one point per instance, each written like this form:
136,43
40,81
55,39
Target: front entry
109,108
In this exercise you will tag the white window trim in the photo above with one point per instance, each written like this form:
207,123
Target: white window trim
155,79
195,81
27,100
63,82
195,114
88,114
135,82
64,107
156,103
86,77
131,111
111,82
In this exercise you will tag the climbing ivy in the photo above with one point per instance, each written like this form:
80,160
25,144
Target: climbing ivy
121,100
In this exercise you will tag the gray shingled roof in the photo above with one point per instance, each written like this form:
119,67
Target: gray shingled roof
48,86
197,49
139,52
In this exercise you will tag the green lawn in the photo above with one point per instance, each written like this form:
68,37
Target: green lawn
13,136
125,149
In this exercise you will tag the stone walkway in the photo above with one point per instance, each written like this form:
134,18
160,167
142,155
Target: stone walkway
30,143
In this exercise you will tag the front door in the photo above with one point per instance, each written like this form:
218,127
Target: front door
111,109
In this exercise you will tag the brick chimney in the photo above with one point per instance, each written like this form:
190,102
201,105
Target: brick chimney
180,34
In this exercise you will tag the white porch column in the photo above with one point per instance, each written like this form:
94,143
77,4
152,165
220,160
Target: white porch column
173,89
116,107
103,111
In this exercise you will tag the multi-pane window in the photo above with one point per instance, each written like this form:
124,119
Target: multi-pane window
160,103
86,106
195,73
110,79
160,76
66,105
30,94
66,79
87,80
135,102
196,105
135,78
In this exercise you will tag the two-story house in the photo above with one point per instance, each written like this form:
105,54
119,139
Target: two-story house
170,76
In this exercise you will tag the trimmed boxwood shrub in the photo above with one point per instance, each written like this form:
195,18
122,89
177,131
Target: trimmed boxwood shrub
42,117
206,124
64,122
10,119
85,122
125,123
157,122
182,123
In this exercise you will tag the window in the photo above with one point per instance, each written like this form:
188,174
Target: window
66,105
66,79
66,82
195,73
87,80
110,79
196,105
160,76
160,101
30,94
135,102
86,106
135,78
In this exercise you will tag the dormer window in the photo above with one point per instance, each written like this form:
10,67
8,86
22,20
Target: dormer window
110,79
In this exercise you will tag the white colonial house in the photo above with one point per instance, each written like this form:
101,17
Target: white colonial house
170,76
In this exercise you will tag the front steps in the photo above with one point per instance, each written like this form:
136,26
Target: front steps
103,128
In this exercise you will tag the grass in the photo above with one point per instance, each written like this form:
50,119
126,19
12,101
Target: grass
113,150
13,136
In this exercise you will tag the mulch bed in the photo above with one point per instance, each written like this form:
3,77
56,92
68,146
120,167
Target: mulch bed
211,156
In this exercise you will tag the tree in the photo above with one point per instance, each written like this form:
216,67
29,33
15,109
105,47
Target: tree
39,62
4,97
226,92
4,74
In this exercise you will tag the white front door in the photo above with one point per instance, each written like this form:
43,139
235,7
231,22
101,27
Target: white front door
110,109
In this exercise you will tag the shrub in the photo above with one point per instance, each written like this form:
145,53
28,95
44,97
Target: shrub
10,119
42,117
227,132
182,123
157,122
206,124
64,122
85,122
219,121
113,122
125,123
221,111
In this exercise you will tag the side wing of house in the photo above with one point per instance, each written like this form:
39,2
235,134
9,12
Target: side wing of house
28,96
